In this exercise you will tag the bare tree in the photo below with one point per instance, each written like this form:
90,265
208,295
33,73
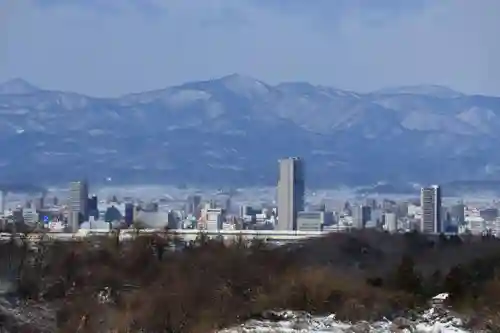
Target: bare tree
138,225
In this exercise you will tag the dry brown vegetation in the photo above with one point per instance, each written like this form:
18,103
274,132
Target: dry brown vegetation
209,285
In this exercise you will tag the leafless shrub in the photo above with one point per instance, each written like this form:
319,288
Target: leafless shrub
210,284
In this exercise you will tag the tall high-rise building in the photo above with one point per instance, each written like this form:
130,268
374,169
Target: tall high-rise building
2,202
39,203
193,203
173,220
212,217
457,214
372,203
361,214
93,207
129,213
391,222
430,201
291,191
402,209
78,203
92,203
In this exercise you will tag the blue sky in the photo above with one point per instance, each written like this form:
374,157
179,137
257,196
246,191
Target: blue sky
111,47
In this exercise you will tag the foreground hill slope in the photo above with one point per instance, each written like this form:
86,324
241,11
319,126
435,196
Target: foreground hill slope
101,284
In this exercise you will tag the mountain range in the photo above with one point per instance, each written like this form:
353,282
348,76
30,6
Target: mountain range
232,130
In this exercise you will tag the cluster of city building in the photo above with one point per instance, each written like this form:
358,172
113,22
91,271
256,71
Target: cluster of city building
289,212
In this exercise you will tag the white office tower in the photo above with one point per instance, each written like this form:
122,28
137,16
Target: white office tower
391,222
494,227
361,215
313,221
73,221
430,201
212,218
457,214
2,203
78,203
291,190
30,216
152,219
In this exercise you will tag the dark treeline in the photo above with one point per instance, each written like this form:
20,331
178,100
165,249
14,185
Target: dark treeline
100,284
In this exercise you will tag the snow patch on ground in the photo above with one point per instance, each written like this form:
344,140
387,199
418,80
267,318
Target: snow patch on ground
434,320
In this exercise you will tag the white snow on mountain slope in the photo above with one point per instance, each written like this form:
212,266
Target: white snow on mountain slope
429,90
245,85
17,87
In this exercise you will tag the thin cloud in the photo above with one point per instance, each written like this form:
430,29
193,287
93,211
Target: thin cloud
132,46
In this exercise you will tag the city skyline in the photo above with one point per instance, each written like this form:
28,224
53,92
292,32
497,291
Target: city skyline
289,214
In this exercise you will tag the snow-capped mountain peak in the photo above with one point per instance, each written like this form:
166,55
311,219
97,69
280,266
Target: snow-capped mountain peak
244,85
17,86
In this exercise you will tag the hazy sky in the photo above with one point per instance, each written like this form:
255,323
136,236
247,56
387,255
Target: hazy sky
110,47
